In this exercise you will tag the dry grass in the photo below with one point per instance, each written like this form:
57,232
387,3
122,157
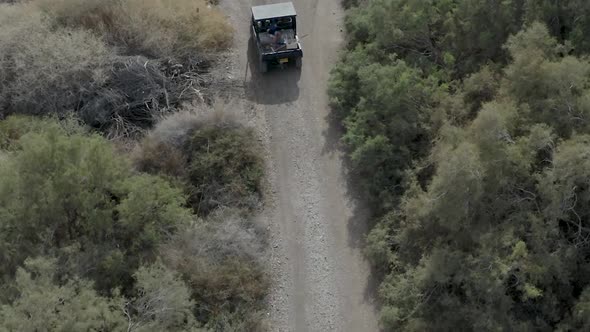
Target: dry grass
222,259
157,157
161,28
159,148
173,128
44,70
58,56
209,150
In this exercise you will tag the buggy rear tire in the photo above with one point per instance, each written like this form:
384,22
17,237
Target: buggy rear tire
263,66
298,63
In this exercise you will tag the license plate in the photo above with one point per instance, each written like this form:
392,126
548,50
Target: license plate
283,60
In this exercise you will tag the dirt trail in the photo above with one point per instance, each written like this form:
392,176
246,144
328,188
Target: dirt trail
321,281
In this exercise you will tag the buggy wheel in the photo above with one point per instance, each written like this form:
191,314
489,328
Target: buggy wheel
298,63
263,66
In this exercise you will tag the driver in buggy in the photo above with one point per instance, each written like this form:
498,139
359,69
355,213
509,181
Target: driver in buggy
275,32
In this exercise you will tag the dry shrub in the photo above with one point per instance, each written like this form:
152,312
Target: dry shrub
44,70
174,128
170,28
55,57
12,19
95,15
53,71
161,151
222,166
135,97
157,157
222,260
224,169
177,26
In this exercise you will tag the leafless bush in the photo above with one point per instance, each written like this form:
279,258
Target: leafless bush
55,57
162,147
222,260
161,151
53,72
174,128
157,157
135,96
223,236
44,70
151,27
222,166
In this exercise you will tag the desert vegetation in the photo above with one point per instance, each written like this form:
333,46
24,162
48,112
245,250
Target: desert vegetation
118,64
123,247
207,150
126,186
467,124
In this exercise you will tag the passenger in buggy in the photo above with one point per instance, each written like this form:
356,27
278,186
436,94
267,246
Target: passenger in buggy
275,32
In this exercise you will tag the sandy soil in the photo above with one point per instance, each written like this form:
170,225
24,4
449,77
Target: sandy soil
321,280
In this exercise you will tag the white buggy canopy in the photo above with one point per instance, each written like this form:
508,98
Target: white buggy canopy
276,10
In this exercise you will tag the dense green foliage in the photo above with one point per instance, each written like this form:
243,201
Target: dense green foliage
468,123
59,192
112,249
161,303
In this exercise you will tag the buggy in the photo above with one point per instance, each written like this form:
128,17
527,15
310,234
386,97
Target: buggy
274,29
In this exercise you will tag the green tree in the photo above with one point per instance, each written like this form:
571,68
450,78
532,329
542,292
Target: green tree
388,125
480,191
162,301
564,189
222,260
554,88
223,170
457,35
43,305
72,196
567,20
344,87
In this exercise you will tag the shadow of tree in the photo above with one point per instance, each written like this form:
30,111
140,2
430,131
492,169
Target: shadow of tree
362,219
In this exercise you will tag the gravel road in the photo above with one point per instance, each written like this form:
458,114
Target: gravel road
321,280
